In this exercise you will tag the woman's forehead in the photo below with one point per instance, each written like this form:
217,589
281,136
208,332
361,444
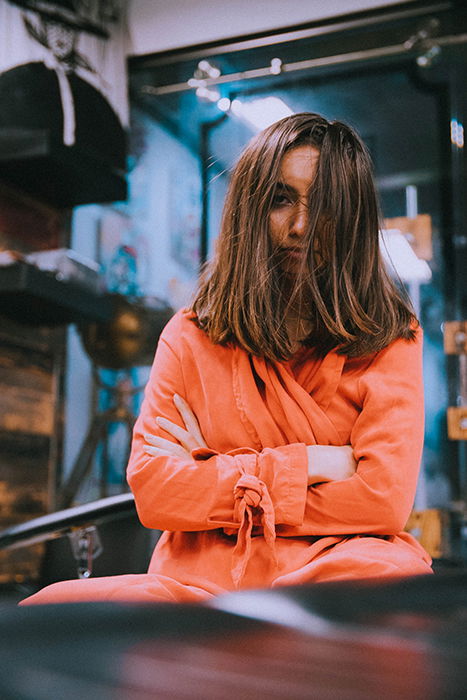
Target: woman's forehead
299,165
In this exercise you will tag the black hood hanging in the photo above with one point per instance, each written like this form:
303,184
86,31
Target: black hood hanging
60,139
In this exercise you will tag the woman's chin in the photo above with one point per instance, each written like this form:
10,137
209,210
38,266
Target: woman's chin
292,266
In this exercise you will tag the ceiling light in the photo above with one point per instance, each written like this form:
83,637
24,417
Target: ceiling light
207,94
208,70
276,66
457,133
262,112
224,104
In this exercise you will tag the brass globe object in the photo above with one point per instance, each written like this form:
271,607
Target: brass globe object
130,337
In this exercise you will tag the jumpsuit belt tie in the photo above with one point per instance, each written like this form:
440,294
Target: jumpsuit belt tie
251,494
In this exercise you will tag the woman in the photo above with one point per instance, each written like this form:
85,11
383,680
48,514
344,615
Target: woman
280,437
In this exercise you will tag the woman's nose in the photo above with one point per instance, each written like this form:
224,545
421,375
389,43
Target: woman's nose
299,223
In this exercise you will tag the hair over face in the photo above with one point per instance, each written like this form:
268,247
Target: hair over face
342,289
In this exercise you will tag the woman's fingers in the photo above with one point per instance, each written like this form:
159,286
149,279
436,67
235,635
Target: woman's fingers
157,441
189,438
180,434
156,452
160,446
189,419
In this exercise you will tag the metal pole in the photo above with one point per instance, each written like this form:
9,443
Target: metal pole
407,47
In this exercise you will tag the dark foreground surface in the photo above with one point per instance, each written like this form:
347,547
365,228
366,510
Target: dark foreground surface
343,641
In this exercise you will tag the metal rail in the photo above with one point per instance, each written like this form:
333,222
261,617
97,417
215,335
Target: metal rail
407,47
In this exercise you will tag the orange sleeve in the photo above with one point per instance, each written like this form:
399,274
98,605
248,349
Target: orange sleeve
387,440
195,493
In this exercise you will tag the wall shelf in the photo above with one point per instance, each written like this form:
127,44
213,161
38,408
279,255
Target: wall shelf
29,295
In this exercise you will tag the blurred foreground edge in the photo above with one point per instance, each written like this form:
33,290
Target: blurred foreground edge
402,639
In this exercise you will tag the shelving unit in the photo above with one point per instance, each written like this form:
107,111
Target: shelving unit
30,295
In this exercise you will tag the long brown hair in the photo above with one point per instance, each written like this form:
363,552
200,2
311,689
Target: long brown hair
343,289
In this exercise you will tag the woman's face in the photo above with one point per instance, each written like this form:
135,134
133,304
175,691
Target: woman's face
288,220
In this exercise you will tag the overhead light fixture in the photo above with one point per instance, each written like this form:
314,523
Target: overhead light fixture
208,70
426,59
224,104
457,133
201,81
207,94
400,257
262,112
425,43
203,73
276,66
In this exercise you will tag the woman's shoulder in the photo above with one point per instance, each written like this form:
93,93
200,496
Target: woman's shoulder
183,330
402,356
180,324
405,346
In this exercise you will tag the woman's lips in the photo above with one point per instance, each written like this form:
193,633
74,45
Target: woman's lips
294,253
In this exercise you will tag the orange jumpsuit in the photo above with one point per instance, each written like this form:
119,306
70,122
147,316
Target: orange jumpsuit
240,515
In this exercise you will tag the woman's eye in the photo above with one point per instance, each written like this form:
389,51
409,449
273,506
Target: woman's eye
281,199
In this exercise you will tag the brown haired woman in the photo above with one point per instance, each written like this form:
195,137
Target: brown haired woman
280,437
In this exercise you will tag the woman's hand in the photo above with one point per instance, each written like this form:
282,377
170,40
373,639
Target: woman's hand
330,463
189,438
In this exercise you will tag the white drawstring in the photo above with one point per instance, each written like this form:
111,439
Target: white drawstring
66,98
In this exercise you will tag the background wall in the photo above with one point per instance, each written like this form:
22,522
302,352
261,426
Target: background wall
160,26
160,223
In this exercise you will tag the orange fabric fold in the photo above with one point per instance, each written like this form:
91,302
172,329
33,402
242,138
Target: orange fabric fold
251,493
276,409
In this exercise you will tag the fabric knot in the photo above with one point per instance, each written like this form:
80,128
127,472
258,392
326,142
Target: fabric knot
250,488
250,492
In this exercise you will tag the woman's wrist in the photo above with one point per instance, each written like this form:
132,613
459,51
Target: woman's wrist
330,463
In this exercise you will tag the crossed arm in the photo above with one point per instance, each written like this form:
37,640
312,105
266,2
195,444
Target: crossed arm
325,462
177,488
